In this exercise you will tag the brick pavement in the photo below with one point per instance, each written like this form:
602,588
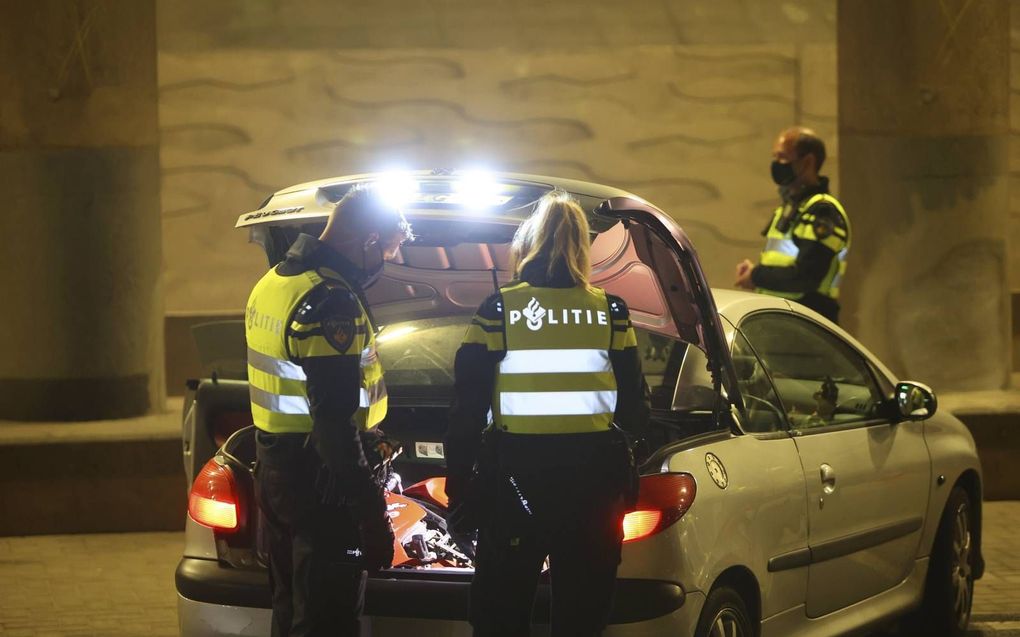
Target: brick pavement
121,585
998,592
105,585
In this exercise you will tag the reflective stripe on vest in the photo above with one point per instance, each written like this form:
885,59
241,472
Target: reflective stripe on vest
277,385
781,249
556,376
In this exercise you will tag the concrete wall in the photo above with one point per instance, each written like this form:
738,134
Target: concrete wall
678,101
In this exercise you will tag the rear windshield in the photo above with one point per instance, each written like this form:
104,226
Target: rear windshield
417,356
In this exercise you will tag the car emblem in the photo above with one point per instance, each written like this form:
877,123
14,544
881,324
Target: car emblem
716,470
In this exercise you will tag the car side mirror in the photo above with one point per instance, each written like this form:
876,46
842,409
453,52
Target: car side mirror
915,401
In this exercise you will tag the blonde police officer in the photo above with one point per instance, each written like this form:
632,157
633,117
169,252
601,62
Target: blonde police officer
555,359
808,236
316,385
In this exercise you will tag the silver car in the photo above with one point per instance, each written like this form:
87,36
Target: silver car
792,485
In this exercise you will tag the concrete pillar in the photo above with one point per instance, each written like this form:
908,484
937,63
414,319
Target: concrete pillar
80,289
923,134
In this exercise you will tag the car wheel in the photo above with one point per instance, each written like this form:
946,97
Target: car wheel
949,588
724,615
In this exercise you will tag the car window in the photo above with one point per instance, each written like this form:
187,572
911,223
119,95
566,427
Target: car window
418,355
819,379
661,360
764,411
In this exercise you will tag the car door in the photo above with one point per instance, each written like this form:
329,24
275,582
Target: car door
867,476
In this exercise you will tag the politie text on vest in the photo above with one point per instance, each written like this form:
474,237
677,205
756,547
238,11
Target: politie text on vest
537,316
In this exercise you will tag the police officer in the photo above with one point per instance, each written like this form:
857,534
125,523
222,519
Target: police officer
556,361
316,384
808,236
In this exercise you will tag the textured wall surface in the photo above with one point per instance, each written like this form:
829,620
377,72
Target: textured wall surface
677,101
79,169
1014,150
924,129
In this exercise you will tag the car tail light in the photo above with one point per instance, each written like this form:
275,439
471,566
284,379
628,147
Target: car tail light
213,498
662,500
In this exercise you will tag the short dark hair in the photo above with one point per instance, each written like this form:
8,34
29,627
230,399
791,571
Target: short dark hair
363,211
810,144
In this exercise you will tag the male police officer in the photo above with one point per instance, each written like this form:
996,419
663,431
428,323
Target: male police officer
809,234
316,385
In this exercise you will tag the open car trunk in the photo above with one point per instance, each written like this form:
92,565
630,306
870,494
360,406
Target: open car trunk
422,305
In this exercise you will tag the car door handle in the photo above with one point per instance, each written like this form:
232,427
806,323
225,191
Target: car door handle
828,478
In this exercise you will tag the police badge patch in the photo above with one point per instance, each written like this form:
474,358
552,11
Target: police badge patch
339,332
824,228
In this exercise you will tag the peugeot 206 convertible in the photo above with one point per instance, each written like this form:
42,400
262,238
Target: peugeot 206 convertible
793,485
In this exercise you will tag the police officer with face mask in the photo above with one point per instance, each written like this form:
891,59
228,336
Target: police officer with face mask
808,235
554,360
316,388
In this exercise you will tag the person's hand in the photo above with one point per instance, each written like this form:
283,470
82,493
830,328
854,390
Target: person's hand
744,270
376,540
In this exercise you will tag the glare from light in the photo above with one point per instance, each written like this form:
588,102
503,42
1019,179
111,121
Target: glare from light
397,189
639,524
212,513
398,332
478,190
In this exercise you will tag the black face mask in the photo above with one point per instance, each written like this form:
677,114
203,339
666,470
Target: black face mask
370,275
783,174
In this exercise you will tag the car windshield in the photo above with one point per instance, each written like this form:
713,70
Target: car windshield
418,355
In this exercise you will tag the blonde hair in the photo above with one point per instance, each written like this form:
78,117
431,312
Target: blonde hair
557,231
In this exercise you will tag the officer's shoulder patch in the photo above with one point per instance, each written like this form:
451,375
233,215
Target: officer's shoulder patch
492,307
617,307
339,331
823,227
327,300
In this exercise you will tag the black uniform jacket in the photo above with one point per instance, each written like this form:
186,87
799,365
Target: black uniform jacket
475,371
333,382
813,257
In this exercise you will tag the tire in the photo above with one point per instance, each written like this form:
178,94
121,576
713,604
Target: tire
724,615
949,588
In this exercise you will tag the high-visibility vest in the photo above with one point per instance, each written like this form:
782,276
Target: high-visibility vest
556,377
277,343
781,250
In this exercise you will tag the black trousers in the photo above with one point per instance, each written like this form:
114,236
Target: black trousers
571,515
317,582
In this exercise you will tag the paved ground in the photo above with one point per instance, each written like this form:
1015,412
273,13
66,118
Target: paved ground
121,585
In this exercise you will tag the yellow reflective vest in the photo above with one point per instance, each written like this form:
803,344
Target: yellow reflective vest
781,250
277,344
556,376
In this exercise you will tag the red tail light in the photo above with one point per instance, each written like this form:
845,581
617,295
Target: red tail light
662,500
213,498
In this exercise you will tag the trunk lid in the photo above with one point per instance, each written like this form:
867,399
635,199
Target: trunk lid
464,223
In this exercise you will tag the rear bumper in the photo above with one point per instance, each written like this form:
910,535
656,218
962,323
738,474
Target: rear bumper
198,619
407,595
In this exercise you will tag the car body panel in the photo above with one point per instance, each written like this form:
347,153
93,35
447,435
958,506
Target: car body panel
758,516
200,619
199,540
954,461
853,619
879,498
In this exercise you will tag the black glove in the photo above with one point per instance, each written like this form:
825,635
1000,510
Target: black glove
468,504
376,539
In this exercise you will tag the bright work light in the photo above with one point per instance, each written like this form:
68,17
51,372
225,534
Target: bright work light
397,189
